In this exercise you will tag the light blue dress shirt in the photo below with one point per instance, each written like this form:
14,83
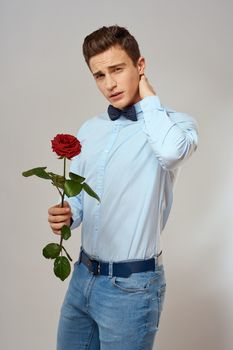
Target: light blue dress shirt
132,166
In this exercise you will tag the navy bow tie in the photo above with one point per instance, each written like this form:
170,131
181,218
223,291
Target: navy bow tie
128,112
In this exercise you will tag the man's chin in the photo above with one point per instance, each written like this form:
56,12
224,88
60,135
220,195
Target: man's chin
122,104
118,105
130,103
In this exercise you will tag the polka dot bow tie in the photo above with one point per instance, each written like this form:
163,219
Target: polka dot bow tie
128,112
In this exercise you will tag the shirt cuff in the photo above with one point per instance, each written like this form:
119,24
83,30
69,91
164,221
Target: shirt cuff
151,102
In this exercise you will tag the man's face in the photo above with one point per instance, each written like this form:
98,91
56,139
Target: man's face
114,72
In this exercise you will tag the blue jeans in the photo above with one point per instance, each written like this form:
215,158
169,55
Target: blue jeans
111,313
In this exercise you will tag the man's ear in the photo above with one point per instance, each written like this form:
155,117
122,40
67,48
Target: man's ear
141,65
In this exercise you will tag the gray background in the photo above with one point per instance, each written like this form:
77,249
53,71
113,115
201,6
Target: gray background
46,88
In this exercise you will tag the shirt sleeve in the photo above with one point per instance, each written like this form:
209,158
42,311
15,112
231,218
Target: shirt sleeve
173,136
76,204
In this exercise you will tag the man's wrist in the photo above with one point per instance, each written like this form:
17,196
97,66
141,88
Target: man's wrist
149,94
151,102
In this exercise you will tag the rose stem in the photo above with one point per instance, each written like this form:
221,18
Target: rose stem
67,254
62,198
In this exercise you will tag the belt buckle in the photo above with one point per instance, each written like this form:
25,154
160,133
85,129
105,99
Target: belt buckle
95,267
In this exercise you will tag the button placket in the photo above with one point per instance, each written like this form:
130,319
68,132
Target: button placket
101,171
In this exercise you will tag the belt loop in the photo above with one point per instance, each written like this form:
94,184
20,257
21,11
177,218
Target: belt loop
110,269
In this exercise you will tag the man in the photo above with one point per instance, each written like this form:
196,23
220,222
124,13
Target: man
130,157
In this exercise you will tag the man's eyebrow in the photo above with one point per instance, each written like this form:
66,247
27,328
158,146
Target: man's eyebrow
113,66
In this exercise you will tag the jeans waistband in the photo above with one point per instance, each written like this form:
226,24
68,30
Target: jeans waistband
118,269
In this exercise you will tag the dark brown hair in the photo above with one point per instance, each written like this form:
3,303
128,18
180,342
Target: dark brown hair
105,37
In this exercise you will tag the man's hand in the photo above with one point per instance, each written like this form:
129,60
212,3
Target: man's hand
145,89
59,216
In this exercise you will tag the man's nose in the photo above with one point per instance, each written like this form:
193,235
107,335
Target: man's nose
110,83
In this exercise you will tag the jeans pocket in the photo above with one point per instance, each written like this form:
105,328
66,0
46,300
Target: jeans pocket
136,282
160,298
157,295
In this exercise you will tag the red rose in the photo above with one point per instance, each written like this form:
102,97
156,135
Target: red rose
66,145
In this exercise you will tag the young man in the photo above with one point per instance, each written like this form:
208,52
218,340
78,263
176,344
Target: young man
130,157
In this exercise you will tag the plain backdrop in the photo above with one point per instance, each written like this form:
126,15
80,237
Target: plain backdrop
46,88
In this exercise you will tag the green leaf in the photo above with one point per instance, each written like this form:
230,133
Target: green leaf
90,191
62,267
51,250
76,177
40,172
72,188
57,180
65,232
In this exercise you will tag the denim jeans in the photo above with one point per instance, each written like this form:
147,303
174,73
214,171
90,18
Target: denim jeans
111,313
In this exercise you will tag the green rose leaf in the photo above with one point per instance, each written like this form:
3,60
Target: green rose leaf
40,172
76,177
65,232
90,191
62,267
57,180
72,188
51,250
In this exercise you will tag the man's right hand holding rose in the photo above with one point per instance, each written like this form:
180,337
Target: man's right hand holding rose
59,216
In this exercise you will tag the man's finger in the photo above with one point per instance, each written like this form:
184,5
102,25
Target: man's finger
58,210
57,232
57,227
58,218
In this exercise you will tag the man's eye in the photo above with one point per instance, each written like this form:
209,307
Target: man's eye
118,69
99,76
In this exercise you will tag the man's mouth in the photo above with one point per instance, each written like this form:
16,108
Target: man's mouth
115,94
